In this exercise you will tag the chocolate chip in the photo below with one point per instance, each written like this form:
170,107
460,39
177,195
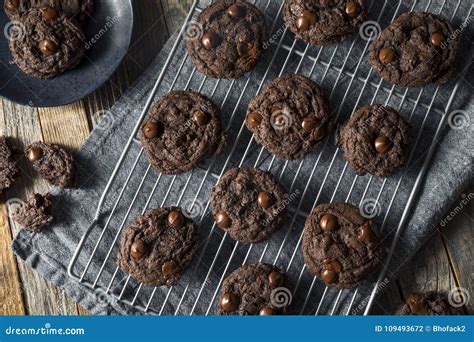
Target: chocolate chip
169,267
437,39
328,222
265,200
34,154
236,11
153,129
243,49
230,302
139,249
175,219
266,312
254,119
353,9
222,219
276,279
306,20
210,40
382,145
319,133
386,55
49,14
365,233
328,276
309,123
200,118
12,5
48,47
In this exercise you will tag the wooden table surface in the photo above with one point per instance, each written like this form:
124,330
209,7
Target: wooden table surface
444,263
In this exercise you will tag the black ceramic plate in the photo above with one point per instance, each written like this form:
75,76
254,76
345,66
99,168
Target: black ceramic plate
108,35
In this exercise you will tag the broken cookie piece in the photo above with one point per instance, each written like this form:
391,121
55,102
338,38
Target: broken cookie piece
8,169
53,163
35,213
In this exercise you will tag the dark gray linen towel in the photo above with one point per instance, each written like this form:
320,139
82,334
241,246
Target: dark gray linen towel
449,173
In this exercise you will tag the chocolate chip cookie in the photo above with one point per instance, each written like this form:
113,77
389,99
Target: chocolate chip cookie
227,39
8,168
340,245
249,204
375,140
416,49
50,43
323,21
427,304
53,163
77,9
35,213
158,247
290,117
256,289
183,128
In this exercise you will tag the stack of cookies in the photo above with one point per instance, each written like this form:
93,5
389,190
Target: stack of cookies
50,37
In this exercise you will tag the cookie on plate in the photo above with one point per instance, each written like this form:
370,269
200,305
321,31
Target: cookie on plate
183,128
77,9
427,304
416,49
340,246
227,39
8,168
35,213
290,117
158,246
375,140
249,204
53,163
256,289
322,21
49,44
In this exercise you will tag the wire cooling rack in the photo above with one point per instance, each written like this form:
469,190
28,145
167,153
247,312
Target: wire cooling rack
322,177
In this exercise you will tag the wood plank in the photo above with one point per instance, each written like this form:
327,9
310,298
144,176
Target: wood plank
458,237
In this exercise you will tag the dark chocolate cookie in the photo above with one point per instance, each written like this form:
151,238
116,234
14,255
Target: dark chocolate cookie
417,48
53,163
427,304
8,169
340,246
256,289
227,39
376,140
183,128
249,204
77,9
35,213
158,247
290,117
324,21
49,44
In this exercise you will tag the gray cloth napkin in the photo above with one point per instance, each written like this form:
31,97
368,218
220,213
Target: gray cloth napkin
449,173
